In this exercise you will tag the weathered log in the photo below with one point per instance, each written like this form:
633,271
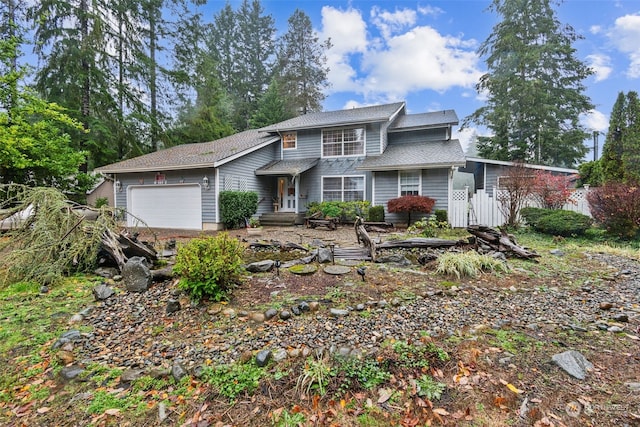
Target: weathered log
363,236
419,242
500,241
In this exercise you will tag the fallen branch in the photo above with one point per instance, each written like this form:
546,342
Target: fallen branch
500,241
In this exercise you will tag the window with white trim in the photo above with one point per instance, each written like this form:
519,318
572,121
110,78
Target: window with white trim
343,142
410,183
342,188
289,140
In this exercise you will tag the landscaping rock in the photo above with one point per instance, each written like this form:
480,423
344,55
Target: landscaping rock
573,363
178,372
102,292
324,256
263,357
270,313
136,274
260,266
69,373
338,312
173,306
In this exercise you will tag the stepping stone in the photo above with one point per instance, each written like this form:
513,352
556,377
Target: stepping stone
337,269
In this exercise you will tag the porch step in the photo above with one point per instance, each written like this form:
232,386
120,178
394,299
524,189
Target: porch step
281,219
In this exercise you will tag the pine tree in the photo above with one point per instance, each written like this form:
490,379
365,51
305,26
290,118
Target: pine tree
302,65
534,87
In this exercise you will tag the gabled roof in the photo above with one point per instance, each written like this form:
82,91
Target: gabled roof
424,120
354,116
421,155
194,156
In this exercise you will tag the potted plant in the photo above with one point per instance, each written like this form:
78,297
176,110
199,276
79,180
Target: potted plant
254,227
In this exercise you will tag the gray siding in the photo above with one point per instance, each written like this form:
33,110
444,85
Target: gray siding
418,136
239,175
308,146
435,184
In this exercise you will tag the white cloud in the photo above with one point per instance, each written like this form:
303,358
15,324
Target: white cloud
348,33
625,35
421,59
389,23
595,120
595,29
412,58
601,65
430,10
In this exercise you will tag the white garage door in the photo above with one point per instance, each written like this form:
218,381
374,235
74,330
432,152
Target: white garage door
165,206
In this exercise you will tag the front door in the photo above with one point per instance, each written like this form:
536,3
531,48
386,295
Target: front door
286,194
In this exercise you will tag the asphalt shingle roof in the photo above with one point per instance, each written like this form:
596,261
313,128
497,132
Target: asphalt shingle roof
423,120
287,167
192,156
376,113
421,155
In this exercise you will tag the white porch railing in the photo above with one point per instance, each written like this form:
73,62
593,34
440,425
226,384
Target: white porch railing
483,208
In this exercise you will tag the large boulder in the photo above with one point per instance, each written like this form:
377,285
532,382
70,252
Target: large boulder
136,274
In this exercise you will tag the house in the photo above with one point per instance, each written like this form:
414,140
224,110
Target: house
371,153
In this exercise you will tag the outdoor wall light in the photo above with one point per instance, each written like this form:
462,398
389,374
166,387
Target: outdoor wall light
118,185
205,183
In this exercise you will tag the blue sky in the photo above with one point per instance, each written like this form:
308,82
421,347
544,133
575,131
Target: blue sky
424,52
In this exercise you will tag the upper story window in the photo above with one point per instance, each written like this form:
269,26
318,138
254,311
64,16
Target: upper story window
289,140
410,183
343,142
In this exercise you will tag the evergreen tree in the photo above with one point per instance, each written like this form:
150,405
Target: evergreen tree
272,108
534,87
70,39
254,64
302,65
620,161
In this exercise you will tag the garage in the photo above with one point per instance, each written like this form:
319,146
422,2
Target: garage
165,206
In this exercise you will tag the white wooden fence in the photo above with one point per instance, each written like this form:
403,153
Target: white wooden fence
483,208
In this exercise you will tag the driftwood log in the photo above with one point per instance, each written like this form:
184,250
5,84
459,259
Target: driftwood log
364,238
419,242
121,247
500,241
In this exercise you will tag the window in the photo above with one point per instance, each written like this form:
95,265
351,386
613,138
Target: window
409,183
343,142
289,140
342,188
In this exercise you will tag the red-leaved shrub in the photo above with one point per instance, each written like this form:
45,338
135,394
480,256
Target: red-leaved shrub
552,191
616,206
411,204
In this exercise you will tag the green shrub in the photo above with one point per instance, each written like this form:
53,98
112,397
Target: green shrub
101,201
345,211
376,214
532,215
441,216
563,223
236,206
209,266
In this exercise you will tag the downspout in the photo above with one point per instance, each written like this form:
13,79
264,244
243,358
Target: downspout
216,192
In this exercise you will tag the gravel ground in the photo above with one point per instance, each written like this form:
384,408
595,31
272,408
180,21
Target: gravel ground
134,330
